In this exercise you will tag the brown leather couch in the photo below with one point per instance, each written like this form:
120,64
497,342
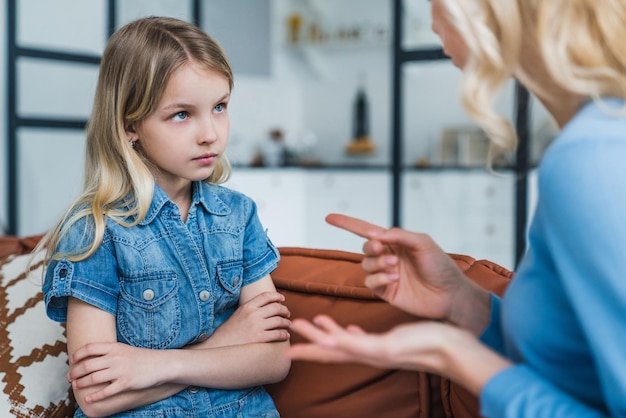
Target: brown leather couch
332,282
313,281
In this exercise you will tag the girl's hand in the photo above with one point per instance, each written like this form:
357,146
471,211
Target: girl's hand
262,319
120,366
412,273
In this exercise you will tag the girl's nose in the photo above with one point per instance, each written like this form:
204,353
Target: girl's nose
208,132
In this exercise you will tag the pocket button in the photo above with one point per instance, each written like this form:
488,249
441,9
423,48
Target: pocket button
148,294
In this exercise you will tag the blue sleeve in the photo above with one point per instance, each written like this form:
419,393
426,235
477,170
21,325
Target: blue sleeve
519,392
583,202
492,336
260,256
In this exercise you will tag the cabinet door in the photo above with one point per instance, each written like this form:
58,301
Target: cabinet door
465,212
280,198
362,194
489,216
430,205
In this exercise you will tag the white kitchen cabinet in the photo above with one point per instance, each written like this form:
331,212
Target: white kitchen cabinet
365,194
466,212
280,195
292,203
489,216
430,204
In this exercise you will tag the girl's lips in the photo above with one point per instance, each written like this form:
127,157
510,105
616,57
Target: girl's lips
206,159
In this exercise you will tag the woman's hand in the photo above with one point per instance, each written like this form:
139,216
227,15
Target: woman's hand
424,346
416,346
412,273
262,319
120,366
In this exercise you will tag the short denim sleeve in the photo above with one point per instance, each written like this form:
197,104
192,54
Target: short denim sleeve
260,256
93,280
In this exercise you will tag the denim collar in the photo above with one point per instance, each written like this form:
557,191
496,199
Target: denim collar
204,194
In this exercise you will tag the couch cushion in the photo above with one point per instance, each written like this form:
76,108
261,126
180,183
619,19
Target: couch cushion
332,282
33,359
16,245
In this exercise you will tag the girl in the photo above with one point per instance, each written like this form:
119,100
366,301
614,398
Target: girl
550,347
163,276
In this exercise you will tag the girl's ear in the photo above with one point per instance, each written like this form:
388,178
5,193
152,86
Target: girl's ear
131,132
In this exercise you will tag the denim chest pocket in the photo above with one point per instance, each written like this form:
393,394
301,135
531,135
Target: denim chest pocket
229,277
149,311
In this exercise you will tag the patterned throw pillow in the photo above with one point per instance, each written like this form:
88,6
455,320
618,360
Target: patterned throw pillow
33,359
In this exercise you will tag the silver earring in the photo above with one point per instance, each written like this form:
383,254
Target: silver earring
132,143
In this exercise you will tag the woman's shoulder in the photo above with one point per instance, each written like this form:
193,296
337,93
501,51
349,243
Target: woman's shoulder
596,133
599,118
587,158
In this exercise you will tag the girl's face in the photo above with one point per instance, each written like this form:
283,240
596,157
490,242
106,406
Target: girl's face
187,134
453,44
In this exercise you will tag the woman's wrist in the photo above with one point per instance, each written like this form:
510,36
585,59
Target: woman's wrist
470,363
471,308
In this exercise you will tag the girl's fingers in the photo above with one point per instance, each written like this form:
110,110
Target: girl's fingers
89,350
86,367
277,335
266,298
108,391
92,379
271,310
277,323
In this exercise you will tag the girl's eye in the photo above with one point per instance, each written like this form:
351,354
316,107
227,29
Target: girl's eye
180,116
220,108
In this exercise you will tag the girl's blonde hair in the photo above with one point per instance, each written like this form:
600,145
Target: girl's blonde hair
136,65
581,44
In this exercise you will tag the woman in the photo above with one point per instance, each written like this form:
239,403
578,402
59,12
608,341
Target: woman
550,346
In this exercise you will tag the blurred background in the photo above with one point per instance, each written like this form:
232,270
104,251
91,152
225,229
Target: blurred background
339,106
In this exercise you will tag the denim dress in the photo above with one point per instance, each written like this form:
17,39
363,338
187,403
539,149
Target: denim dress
170,284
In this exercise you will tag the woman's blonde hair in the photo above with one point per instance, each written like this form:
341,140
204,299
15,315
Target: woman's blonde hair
136,65
581,44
